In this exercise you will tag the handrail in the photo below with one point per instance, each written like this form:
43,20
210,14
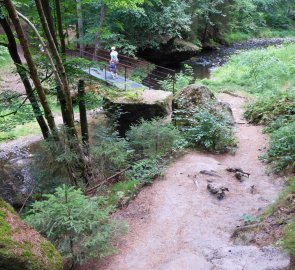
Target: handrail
154,75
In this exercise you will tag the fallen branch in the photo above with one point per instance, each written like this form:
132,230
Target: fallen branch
25,201
106,180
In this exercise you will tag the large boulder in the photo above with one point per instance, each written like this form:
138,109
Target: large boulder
129,109
197,97
170,51
22,248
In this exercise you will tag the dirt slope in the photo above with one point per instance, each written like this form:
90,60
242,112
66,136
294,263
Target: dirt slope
177,224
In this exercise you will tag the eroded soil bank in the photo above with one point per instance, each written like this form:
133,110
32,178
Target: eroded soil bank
176,224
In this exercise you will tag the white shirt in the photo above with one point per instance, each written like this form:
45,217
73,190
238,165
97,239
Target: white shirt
114,55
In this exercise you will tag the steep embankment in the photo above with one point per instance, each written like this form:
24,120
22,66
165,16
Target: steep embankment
177,224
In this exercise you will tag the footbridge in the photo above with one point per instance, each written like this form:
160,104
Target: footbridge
132,73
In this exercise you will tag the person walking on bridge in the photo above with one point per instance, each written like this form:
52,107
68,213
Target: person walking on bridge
114,55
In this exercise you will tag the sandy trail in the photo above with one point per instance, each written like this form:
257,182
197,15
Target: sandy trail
176,224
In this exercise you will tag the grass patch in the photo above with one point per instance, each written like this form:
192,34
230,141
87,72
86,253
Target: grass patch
258,71
27,129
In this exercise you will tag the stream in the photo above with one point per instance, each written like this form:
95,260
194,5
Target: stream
16,180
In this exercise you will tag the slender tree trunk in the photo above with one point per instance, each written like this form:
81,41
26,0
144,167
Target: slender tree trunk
80,26
12,48
100,26
48,15
83,113
60,27
292,262
32,68
67,110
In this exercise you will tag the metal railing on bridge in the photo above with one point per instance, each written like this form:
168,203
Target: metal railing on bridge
130,69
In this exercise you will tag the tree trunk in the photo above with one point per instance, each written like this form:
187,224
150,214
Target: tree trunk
83,113
292,262
80,26
32,68
65,95
67,109
100,26
12,48
48,15
60,27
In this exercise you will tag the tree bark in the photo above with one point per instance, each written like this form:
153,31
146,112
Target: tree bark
12,48
60,27
67,108
48,15
100,26
80,26
32,68
65,96
83,113
292,262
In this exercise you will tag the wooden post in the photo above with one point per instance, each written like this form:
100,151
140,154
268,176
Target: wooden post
83,113
125,78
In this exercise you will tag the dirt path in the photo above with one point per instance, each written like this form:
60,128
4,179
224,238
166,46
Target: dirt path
178,225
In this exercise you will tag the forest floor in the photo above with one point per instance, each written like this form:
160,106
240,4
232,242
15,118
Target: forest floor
177,224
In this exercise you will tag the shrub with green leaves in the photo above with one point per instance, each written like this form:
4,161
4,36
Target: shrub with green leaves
9,104
278,106
182,79
281,151
153,138
207,131
110,152
79,226
145,170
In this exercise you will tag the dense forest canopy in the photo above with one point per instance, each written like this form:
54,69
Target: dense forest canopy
133,25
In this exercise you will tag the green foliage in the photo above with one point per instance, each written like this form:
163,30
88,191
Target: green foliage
79,226
145,170
110,152
10,103
205,130
4,57
141,73
269,108
258,71
248,219
281,152
122,192
153,138
286,201
182,79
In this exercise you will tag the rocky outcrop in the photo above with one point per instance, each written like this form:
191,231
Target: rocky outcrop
197,97
22,248
170,51
130,109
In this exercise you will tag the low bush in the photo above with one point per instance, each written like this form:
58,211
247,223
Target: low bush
145,170
110,152
281,151
207,131
279,106
79,226
17,114
153,138
182,79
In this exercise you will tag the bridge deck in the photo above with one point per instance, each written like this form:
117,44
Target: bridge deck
119,82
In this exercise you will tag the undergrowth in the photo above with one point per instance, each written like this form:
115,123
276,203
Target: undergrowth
267,74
